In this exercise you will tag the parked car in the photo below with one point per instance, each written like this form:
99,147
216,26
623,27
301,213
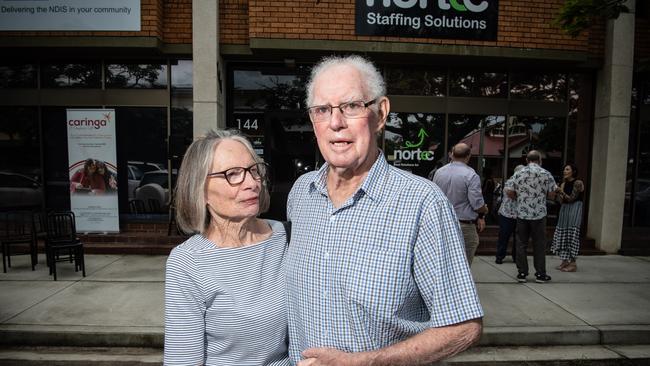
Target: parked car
17,190
145,166
134,177
153,190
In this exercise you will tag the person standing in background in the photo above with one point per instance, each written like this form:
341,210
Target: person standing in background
530,187
462,186
507,224
566,240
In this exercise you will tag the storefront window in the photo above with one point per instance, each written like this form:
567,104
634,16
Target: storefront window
17,76
550,87
136,76
416,81
478,84
20,175
415,142
141,133
71,76
181,128
642,189
254,89
55,146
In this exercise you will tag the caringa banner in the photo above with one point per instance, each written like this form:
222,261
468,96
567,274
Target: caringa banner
457,19
93,169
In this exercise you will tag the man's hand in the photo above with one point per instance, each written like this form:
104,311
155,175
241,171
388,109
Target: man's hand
480,224
329,356
511,194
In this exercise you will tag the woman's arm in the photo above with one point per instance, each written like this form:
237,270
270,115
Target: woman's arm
184,311
578,187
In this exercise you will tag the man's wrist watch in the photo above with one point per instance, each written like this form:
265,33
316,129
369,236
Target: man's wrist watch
481,216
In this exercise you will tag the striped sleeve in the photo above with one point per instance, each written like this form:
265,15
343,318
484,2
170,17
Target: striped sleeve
184,311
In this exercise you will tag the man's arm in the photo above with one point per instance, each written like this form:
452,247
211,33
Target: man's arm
480,220
431,345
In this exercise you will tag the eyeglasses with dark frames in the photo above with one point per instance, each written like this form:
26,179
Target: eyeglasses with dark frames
236,175
354,109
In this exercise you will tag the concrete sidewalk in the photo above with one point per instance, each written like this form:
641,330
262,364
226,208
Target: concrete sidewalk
605,305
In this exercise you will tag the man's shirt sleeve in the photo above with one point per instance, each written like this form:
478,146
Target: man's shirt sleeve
474,192
440,267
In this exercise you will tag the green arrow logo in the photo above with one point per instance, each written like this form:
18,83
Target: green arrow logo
422,134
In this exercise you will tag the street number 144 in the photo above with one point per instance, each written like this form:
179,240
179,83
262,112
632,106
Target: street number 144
247,124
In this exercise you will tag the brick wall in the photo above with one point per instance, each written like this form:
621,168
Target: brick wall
177,21
521,24
233,21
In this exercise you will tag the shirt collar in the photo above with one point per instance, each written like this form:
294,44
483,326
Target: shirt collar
372,186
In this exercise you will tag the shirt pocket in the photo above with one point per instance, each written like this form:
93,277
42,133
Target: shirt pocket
379,279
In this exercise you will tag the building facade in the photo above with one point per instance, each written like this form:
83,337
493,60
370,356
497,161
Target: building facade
497,75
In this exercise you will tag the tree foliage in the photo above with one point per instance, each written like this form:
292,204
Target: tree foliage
577,15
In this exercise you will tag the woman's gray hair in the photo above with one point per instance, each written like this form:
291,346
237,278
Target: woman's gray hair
192,214
374,87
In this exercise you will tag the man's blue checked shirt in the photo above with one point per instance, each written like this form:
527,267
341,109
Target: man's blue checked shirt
386,265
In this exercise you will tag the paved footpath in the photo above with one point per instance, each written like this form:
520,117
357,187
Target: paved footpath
600,312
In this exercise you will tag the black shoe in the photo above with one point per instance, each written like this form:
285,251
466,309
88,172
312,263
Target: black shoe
542,278
499,261
521,277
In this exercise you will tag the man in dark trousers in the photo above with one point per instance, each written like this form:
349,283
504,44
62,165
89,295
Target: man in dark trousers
530,186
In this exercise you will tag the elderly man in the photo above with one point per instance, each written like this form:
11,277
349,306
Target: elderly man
375,270
462,186
530,186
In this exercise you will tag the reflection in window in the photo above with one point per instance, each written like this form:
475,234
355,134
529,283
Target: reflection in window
549,87
19,142
141,137
478,84
181,74
642,188
254,89
55,154
415,141
545,134
17,76
180,134
136,76
646,93
416,81
71,76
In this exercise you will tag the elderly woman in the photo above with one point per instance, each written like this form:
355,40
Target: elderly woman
224,289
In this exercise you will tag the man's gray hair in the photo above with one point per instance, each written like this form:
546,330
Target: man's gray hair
374,87
192,214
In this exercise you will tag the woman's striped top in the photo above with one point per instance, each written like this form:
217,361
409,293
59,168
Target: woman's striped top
226,306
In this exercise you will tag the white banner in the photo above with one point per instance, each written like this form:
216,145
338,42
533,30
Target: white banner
69,15
93,169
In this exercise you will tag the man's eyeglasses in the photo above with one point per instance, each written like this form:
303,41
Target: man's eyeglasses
355,109
236,175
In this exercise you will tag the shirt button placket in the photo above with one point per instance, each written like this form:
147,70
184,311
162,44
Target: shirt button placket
326,278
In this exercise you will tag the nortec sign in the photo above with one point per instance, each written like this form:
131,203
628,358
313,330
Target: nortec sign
458,19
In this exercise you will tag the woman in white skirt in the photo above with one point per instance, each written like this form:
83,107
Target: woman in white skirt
566,240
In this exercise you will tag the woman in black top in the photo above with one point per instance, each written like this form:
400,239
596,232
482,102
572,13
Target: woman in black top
566,240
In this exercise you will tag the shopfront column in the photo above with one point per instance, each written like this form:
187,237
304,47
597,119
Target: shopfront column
207,68
611,129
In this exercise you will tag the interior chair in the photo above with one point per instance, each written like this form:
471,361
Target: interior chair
152,192
17,230
62,243
136,206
